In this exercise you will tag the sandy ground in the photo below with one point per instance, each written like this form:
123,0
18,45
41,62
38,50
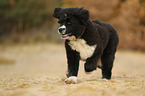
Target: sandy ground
39,70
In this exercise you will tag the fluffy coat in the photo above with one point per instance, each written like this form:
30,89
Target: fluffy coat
87,40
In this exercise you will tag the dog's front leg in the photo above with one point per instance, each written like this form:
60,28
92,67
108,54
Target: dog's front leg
73,64
91,63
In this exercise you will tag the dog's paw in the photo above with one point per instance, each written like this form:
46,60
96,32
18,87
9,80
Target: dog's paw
103,79
71,80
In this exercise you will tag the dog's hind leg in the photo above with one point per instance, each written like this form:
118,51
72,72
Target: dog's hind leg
107,64
107,59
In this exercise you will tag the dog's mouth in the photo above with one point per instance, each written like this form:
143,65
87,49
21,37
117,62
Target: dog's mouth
65,36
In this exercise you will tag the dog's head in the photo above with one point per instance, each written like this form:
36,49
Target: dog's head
72,21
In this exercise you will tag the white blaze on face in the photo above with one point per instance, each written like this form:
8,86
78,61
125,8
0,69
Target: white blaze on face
63,27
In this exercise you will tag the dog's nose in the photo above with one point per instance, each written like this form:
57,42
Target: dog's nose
62,29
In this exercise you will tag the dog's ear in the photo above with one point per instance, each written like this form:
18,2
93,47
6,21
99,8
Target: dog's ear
83,15
56,13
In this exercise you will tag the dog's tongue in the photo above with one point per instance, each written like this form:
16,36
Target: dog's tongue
65,35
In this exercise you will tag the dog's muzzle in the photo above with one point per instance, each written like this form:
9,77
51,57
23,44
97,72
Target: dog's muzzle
62,29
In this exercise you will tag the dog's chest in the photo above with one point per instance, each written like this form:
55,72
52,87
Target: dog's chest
84,49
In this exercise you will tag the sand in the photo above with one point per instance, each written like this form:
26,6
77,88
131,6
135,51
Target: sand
39,70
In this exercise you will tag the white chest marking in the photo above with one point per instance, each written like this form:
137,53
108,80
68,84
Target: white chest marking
84,49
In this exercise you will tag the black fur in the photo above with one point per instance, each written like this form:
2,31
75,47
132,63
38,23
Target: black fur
95,32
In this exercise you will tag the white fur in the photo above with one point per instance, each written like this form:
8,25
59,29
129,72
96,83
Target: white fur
71,80
84,49
104,79
64,31
71,38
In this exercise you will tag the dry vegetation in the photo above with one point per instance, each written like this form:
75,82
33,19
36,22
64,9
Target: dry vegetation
127,16
32,21
39,70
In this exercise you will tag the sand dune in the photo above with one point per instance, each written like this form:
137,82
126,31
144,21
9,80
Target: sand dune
39,70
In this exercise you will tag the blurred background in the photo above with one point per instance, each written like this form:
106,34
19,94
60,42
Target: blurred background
30,21
33,59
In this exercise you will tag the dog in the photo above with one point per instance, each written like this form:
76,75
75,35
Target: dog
86,40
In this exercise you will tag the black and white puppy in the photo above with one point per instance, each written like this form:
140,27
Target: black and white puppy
86,40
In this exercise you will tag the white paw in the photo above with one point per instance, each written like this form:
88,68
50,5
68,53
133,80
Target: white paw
104,79
71,80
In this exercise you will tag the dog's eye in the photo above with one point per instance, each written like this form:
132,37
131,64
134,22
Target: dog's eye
68,23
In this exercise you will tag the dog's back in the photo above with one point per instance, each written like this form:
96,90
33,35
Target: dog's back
109,28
